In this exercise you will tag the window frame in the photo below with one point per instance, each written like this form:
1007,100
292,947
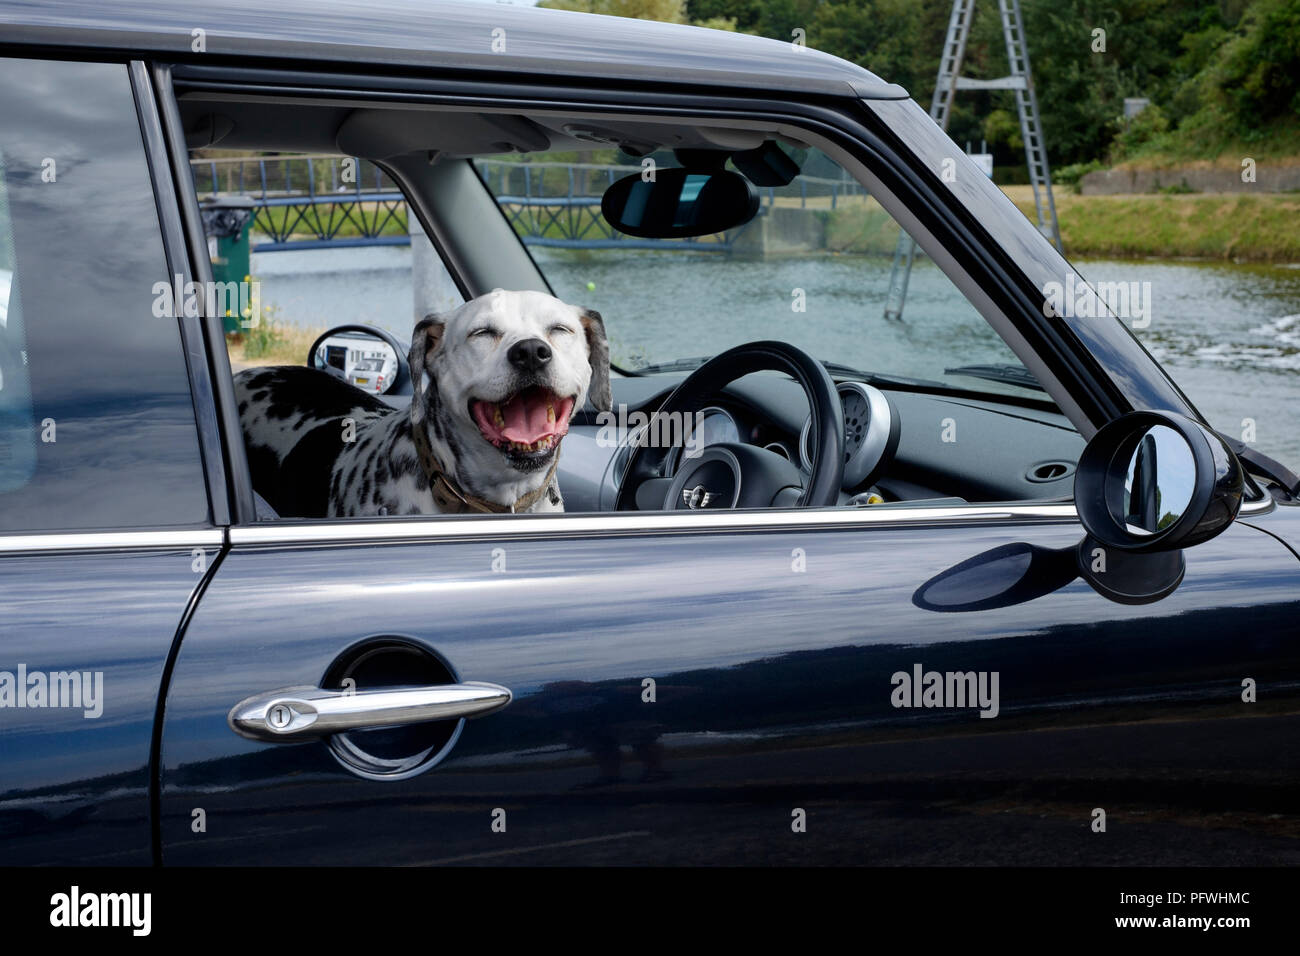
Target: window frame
211,379
167,200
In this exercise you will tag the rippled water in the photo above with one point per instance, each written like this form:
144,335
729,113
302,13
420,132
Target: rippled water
1228,334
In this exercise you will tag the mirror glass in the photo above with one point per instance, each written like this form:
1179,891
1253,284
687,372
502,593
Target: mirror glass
679,203
1158,485
366,361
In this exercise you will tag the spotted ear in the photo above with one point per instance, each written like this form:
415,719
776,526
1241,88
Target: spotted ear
598,392
425,340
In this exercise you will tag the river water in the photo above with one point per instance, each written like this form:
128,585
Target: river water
1228,334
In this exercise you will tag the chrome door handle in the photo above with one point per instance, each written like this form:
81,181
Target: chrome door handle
300,713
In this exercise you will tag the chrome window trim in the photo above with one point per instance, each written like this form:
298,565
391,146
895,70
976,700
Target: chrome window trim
633,523
396,530
113,541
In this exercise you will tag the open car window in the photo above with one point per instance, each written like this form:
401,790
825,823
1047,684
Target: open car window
368,387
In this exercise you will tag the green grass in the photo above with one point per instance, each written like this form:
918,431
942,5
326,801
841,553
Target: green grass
1254,228
1257,228
271,342
1218,147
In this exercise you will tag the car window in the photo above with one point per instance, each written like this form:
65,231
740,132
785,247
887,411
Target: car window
815,268
327,240
938,407
97,425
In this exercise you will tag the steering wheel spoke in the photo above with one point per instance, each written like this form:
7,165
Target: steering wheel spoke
737,475
652,493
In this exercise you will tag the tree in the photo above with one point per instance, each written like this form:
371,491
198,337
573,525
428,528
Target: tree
1220,67
743,14
665,11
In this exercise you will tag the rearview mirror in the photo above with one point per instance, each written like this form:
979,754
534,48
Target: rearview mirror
679,203
1156,481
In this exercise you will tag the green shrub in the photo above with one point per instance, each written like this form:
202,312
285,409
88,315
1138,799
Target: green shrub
1146,130
1069,176
266,336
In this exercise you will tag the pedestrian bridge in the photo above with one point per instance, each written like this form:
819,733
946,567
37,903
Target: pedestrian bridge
307,202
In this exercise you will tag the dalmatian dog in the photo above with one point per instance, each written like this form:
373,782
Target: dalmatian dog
495,385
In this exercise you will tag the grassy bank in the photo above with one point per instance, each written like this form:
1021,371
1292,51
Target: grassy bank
1253,228
271,343
1210,148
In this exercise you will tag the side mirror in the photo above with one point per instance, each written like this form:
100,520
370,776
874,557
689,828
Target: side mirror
1148,485
1156,481
370,358
679,203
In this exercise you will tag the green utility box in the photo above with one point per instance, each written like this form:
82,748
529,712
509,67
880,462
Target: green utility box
226,223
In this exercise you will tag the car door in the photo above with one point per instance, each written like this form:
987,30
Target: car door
728,695
729,688
105,529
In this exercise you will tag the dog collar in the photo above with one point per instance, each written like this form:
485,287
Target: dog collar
451,500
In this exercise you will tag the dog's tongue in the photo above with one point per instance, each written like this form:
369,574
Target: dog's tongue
526,418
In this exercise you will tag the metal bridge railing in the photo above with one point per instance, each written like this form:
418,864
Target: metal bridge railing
311,201
305,202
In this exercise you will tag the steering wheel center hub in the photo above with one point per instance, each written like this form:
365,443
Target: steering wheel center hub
735,474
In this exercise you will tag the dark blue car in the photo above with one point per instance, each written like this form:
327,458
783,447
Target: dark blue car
971,584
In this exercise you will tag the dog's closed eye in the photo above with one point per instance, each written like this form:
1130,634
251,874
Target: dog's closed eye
560,330
485,332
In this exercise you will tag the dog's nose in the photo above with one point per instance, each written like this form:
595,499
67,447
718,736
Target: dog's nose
530,355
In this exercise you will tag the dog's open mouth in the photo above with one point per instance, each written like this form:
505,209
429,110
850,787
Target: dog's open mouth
531,421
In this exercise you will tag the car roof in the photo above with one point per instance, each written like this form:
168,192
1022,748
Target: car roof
437,34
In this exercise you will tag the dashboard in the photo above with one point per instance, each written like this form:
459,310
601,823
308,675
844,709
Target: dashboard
716,425
900,444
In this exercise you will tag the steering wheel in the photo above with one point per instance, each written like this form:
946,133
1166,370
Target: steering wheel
735,474
401,384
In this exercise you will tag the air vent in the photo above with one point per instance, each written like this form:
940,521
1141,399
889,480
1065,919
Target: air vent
1050,471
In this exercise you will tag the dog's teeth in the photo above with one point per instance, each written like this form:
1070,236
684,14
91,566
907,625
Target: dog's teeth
500,419
545,443
550,414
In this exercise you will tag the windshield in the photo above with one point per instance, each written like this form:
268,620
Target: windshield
815,268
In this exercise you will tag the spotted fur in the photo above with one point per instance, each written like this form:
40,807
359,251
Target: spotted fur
319,447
